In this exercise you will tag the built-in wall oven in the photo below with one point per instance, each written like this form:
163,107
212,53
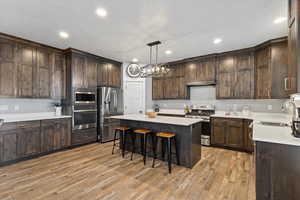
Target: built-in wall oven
84,109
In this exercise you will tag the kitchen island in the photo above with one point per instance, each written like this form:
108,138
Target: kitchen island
187,130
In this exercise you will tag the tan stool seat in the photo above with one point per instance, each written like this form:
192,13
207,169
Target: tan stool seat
142,131
122,128
165,134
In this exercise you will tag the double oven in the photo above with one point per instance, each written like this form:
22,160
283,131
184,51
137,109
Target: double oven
85,109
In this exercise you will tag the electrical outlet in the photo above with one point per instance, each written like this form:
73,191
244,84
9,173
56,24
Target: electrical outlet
16,107
270,107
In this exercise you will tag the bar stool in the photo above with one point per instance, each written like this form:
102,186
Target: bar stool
144,133
166,137
122,131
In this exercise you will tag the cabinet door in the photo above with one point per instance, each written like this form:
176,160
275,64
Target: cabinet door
65,131
43,76
91,73
8,145
78,65
191,69
235,133
244,87
102,74
59,77
157,88
116,70
279,66
26,70
208,71
170,88
28,138
8,68
226,77
47,135
263,73
218,131
291,80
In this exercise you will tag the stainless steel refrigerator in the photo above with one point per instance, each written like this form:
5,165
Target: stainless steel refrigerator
110,103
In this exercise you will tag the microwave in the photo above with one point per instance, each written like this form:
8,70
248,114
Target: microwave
85,97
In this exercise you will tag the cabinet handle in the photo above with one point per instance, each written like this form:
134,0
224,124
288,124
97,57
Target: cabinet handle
286,84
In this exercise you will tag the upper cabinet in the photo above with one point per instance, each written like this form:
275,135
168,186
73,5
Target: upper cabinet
235,75
8,68
201,70
271,70
89,71
30,70
109,74
293,47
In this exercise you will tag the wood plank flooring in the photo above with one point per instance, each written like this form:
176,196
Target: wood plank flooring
92,172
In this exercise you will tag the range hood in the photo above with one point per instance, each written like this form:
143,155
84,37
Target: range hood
201,83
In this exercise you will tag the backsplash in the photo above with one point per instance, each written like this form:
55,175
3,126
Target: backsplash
26,105
207,95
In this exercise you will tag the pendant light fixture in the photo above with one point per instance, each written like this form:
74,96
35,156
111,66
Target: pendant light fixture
154,70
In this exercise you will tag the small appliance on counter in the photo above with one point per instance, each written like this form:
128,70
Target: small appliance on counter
295,102
156,108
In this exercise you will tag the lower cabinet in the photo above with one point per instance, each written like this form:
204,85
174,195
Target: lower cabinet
23,139
84,136
233,133
55,134
28,138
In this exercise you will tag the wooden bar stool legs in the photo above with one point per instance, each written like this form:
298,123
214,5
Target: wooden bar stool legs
166,137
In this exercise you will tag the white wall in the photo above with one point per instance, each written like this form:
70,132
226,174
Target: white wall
126,78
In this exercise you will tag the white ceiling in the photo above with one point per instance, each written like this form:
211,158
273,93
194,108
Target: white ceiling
187,27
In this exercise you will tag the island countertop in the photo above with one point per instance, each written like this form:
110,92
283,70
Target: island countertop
181,121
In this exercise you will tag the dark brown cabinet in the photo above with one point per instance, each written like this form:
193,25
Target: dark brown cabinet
109,74
23,139
277,171
233,133
55,134
235,76
8,68
271,70
26,70
58,90
157,88
78,71
8,142
202,69
43,77
30,70
28,138
293,47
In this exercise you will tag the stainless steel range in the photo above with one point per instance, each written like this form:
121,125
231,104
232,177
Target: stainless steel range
203,112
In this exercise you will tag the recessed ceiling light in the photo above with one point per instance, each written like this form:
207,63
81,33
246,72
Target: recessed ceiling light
63,34
135,60
280,20
101,12
168,52
217,40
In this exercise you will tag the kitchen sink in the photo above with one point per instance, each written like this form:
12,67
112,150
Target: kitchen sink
280,124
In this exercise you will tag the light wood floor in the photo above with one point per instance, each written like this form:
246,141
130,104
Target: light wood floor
92,172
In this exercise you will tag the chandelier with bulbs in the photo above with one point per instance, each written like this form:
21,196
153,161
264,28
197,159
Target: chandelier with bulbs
155,69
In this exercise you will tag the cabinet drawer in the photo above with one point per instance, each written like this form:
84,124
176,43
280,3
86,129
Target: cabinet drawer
7,127
84,136
29,124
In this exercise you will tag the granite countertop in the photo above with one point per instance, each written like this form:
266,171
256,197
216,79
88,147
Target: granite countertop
160,119
172,112
31,116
